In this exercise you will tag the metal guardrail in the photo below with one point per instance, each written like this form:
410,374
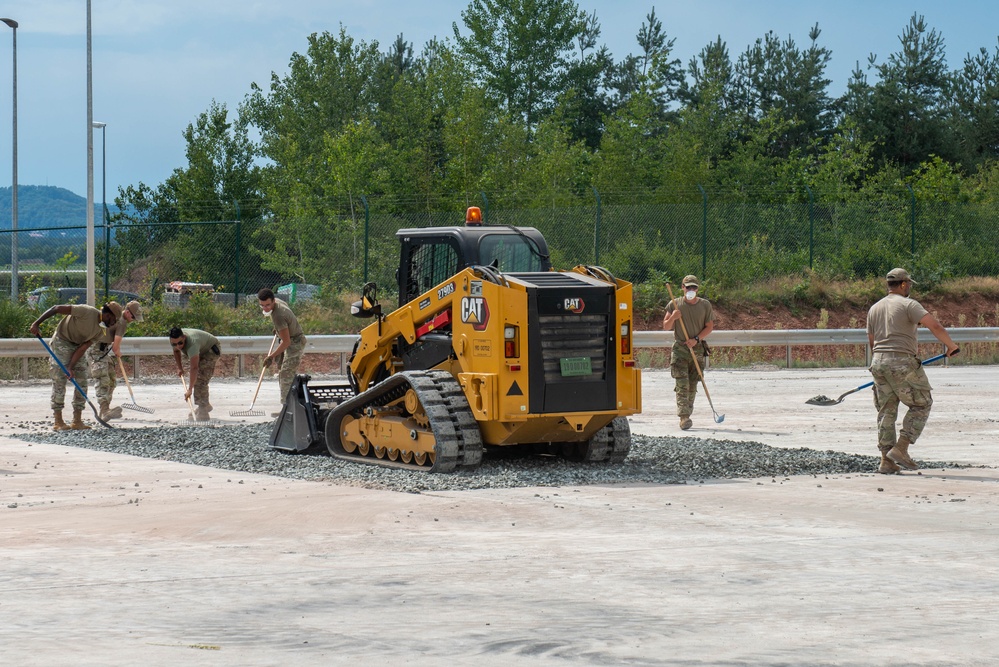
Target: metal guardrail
26,348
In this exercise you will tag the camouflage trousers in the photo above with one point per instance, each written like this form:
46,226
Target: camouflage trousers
288,364
64,351
206,370
103,372
900,380
684,372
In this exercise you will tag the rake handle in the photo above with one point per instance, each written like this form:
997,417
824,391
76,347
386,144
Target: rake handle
190,403
124,374
260,380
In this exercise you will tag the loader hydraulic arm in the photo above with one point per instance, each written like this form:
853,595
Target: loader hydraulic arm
376,357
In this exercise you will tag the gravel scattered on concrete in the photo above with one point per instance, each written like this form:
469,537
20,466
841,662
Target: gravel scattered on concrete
656,460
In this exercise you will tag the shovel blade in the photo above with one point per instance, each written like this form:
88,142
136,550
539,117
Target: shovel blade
824,400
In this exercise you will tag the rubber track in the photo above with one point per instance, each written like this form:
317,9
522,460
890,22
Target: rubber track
457,436
611,443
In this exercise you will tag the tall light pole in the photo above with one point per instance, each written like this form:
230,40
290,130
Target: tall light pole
104,202
91,278
13,192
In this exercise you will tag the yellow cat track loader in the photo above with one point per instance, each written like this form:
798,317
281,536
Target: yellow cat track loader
489,347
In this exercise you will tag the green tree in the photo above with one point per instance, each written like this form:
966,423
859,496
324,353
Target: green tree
520,51
976,108
777,76
907,110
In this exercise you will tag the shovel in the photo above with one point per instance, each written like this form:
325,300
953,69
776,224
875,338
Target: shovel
133,405
250,412
97,415
825,400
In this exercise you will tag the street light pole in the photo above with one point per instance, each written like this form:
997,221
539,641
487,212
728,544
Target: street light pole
104,204
13,193
91,278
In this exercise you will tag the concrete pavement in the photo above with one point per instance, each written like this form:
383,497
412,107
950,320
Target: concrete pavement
111,559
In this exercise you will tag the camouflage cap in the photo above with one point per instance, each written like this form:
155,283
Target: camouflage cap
899,275
691,281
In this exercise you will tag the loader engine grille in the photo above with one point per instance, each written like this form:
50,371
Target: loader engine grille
573,337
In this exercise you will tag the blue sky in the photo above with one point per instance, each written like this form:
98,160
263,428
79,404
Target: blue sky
158,64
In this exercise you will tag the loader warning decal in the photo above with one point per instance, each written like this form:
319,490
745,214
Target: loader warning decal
574,305
475,311
515,390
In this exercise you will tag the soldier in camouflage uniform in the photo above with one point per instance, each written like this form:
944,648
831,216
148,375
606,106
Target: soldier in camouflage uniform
287,355
699,320
103,358
202,351
898,374
76,333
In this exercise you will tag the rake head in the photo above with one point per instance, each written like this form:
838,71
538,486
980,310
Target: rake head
137,408
246,413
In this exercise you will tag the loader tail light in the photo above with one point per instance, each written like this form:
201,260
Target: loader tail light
626,338
511,346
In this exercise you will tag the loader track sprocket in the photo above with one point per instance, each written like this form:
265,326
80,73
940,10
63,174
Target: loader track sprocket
416,420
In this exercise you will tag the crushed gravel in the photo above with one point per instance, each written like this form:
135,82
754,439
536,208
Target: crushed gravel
656,460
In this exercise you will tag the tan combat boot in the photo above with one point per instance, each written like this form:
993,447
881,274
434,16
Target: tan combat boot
105,410
114,413
685,423
900,454
78,424
887,466
59,424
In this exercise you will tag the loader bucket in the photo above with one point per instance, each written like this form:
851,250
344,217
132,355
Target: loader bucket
300,425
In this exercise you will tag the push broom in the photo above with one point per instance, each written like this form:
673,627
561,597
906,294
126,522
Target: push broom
133,405
718,418
250,412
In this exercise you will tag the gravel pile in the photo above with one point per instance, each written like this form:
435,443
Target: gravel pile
658,460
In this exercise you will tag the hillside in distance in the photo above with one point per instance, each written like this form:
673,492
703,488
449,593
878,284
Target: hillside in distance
46,206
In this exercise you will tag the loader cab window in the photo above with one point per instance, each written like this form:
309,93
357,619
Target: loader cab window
513,254
429,265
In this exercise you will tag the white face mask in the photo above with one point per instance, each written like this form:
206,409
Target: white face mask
103,326
691,295
268,313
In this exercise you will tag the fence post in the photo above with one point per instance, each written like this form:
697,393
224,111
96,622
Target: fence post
485,213
367,220
704,232
912,221
811,225
235,285
596,230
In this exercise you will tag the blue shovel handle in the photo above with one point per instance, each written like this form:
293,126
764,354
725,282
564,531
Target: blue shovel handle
72,379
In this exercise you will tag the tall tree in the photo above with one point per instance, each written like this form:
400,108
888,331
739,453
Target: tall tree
976,108
777,77
652,71
907,109
520,51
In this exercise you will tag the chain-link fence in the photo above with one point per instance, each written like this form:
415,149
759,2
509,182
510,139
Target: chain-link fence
340,244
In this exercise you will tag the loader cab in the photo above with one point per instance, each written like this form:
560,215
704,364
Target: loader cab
431,255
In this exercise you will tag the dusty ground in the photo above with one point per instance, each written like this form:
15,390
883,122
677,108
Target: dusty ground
112,559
